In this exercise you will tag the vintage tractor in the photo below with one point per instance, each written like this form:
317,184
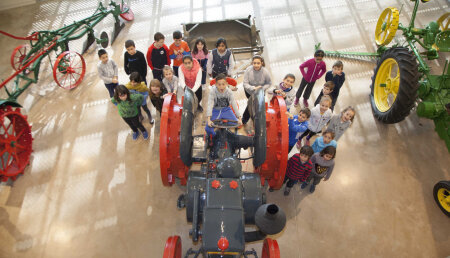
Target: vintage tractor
68,72
220,198
441,193
402,80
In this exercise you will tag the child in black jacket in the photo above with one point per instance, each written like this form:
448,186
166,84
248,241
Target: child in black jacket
134,61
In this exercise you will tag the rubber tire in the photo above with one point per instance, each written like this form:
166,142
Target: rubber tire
439,185
407,92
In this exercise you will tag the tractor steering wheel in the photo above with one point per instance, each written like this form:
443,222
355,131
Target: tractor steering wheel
225,123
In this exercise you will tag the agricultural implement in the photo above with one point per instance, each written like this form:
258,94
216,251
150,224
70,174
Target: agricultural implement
221,199
68,70
402,80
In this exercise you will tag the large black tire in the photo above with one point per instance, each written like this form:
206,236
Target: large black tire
444,187
407,92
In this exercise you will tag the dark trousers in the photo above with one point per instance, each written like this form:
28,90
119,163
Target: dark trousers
290,148
199,94
308,134
175,70
246,115
309,86
333,100
203,65
290,182
316,179
134,123
157,74
110,87
146,110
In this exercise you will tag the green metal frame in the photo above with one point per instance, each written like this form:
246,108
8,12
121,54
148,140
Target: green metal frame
434,90
53,41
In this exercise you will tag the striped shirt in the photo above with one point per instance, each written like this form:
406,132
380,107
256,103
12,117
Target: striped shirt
296,170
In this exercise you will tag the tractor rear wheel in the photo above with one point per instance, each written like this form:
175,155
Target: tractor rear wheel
394,85
441,193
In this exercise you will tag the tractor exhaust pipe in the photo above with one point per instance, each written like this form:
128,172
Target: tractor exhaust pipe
270,220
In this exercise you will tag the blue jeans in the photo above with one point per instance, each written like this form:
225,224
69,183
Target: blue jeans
110,87
222,113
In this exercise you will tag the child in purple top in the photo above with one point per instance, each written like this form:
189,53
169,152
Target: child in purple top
315,68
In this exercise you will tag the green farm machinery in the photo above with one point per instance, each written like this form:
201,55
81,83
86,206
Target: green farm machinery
68,70
402,80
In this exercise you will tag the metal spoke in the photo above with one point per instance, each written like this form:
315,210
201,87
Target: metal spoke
20,133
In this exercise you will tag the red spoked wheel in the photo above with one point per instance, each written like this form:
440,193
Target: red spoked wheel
170,162
172,249
127,16
69,70
270,249
277,131
15,143
18,56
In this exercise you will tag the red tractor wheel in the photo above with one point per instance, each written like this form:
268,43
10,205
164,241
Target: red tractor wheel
170,162
277,131
172,249
270,249
69,70
128,16
15,143
18,56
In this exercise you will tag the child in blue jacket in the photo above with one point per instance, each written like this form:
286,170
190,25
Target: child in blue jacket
297,125
327,139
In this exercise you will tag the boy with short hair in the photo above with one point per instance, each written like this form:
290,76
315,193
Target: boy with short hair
158,56
177,50
107,71
285,89
337,76
328,88
134,61
299,168
298,124
219,101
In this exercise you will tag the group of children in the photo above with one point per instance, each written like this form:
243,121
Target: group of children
190,68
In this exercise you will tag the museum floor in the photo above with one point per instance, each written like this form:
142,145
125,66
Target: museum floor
90,191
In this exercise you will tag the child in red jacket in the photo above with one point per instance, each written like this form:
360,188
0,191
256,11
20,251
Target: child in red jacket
158,56
315,68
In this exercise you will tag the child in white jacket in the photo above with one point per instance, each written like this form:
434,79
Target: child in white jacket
320,115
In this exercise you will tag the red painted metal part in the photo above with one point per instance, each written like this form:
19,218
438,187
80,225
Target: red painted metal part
25,66
169,143
128,16
270,249
15,143
172,249
274,168
69,70
33,36
223,243
18,56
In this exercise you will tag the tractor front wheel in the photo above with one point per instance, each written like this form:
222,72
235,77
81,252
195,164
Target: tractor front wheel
441,193
394,85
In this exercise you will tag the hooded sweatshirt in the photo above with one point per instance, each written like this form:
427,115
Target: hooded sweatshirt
321,167
313,70
290,93
318,121
191,78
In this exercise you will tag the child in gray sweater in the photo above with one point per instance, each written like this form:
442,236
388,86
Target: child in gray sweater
170,81
323,164
108,71
341,122
219,101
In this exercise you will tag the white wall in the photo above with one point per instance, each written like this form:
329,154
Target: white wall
8,4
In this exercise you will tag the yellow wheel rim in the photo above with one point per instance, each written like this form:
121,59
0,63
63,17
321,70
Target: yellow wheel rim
443,196
386,85
443,21
386,26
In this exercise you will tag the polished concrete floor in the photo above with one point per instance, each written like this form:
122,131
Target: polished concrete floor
90,191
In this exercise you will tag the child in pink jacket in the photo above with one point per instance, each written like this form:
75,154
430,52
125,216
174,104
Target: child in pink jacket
315,68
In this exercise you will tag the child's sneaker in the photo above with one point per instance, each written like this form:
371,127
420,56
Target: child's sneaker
305,102
307,142
287,190
135,135
299,144
296,102
304,185
271,189
312,189
152,121
145,135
